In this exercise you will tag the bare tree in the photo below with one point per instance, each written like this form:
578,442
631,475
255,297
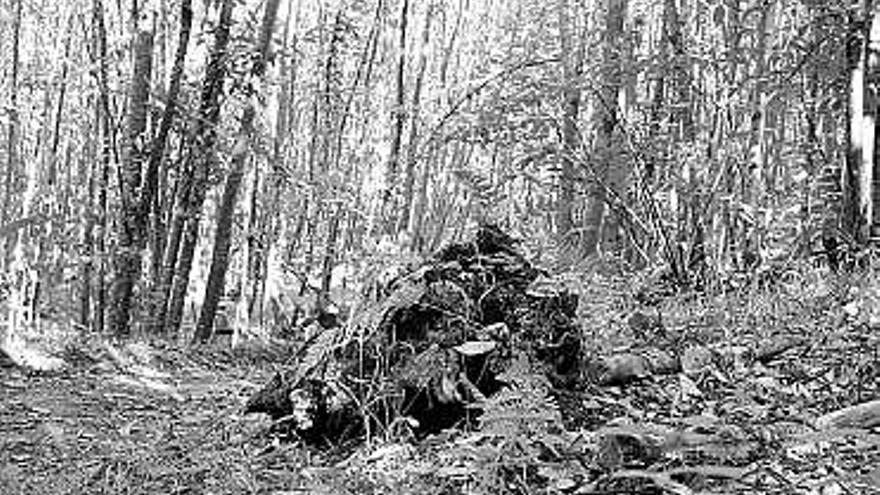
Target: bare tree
223,235
184,228
398,120
571,102
409,178
11,136
128,258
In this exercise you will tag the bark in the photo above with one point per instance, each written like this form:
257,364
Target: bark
857,207
571,100
52,177
753,190
128,258
678,85
330,151
615,12
409,178
87,249
250,285
223,234
222,240
418,232
311,207
398,119
871,191
103,118
453,38
150,187
329,258
865,416
866,215
681,113
184,228
267,225
11,137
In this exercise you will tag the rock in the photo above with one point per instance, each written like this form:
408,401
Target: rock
695,359
622,369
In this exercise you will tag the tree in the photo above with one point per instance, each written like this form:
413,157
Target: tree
607,144
131,225
859,171
571,101
222,239
409,179
149,190
398,120
11,136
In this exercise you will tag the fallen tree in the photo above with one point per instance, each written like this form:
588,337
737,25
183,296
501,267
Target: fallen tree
425,356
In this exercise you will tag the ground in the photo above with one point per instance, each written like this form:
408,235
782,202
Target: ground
148,417
172,425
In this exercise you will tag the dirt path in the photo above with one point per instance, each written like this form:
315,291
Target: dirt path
111,429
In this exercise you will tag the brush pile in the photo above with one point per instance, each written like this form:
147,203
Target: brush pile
424,357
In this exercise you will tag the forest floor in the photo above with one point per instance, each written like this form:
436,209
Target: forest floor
143,420
150,418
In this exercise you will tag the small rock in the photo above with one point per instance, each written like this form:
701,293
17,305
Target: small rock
621,369
695,359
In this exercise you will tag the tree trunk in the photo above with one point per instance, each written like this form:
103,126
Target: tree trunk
131,225
571,100
398,119
184,229
6,208
222,240
754,187
606,111
103,119
409,178
858,178
223,234
150,187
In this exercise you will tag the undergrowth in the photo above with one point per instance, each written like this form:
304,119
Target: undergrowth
741,428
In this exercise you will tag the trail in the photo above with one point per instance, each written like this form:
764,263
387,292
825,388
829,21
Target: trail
124,427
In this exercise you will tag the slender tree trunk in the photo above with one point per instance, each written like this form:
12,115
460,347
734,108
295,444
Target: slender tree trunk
606,111
222,240
859,164
52,174
103,119
409,178
330,256
253,256
6,208
131,225
265,229
334,118
398,119
872,191
682,80
754,180
184,229
223,234
421,205
866,216
571,101
150,188
87,249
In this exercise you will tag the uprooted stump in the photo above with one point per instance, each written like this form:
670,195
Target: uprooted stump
431,351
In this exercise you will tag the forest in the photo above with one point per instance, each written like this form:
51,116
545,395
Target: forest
439,247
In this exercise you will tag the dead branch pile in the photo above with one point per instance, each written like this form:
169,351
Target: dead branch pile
431,350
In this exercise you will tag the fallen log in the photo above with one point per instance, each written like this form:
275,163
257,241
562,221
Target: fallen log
865,415
431,350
